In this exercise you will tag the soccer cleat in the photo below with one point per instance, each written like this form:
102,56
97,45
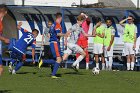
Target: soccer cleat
10,67
13,72
74,68
40,63
54,77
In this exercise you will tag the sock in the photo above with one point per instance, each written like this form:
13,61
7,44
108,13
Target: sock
132,65
55,68
103,66
87,56
128,66
97,65
18,66
110,63
107,63
87,65
77,66
80,58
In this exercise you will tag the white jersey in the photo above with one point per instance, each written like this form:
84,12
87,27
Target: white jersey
75,32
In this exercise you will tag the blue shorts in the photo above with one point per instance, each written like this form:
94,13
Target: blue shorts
55,49
15,54
0,59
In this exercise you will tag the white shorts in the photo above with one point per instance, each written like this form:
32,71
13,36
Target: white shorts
128,49
108,53
73,47
98,48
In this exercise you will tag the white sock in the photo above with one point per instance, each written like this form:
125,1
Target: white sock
107,63
132,65
87,66
80,58
77,66
128,66
103,66
110,63
97,65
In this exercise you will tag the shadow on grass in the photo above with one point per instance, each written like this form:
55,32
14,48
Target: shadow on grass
26,72
74,73
5,91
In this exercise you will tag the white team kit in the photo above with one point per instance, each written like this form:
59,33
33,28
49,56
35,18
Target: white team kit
128,47
71,42
106,52
98,48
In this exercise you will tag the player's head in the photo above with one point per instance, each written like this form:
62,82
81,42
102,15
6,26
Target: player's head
130,19
84,14
3,10
35,32
49,23
99,21
108,22
58,17
80,20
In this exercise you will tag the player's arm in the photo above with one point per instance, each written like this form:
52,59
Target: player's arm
6,40
122,22
20,28
60,34
135,38
101,35
58,31
86,35
112,39
66,36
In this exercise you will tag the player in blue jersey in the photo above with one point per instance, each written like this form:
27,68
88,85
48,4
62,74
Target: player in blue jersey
19,49
55,34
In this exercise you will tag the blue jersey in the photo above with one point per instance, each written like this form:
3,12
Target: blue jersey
54,30
26,40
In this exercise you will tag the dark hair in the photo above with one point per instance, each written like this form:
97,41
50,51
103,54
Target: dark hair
131,16
108,19
35,30
98,20
58,15
3,7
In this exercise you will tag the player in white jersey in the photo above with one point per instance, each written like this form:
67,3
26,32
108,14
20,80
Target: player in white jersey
71,43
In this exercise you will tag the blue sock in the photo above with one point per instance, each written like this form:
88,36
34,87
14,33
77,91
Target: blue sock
0,59
56,66
52,61
18,66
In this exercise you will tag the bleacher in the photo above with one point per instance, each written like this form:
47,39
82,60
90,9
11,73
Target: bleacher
117,54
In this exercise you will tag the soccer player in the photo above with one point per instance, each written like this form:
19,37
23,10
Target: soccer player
55,34
82,40
3,12
19,49
46,44
108,44
71,43
129,38
98,32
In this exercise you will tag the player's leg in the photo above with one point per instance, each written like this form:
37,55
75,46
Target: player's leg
1,67
85,46
78,49
106,58
132,57
55,49
103,61
110,57
127,53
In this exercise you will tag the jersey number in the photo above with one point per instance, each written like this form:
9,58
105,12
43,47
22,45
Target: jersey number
28,39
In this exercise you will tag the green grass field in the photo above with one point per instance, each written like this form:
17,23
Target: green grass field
32,80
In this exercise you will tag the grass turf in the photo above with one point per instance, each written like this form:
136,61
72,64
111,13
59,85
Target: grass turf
32,80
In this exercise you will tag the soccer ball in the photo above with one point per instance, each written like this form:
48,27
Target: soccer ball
95,70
